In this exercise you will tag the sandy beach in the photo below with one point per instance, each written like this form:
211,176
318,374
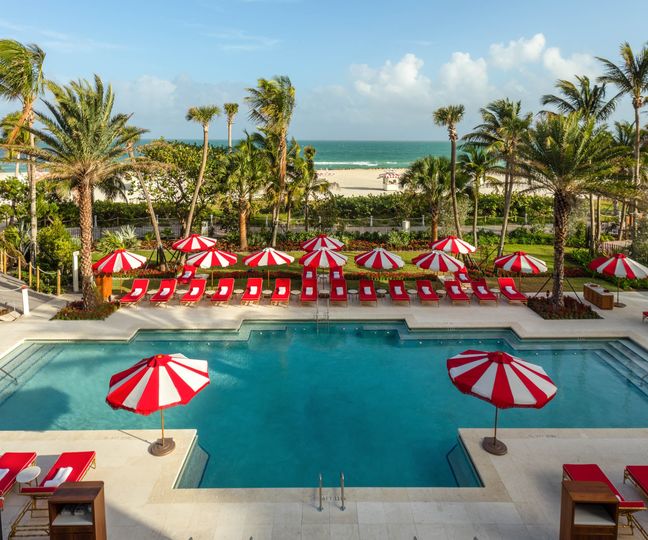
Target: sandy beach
353,182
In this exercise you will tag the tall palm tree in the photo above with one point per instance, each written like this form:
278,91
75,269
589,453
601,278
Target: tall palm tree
566,156
502,130
313,183
22,79
430,178
203,116
449,117
231,110
477,163
82,143
581,97
6,128
272,104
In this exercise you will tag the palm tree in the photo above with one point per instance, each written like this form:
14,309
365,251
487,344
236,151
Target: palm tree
449,117
566,156
431,178
231,109
502,130
203,116
22,79
581,97
313,183
83,144
477,163
6,128
271,105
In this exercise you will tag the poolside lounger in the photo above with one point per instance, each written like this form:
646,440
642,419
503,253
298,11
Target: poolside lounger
509,290
69,467
253,291
137,292
309,293
339,293
426,292
645,316
335,274
397,292
367,292
281,294
165,291
590,472
462,276
455,292
187,274
224,290
309,274
195,293
482,292
11,463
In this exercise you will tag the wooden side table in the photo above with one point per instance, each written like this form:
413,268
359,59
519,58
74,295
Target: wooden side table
588,510
77,511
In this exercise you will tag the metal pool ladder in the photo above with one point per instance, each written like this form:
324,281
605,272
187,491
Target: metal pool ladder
342,497
324,316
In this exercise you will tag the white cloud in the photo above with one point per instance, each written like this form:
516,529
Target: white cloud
464,74
404,78
517,52
566,68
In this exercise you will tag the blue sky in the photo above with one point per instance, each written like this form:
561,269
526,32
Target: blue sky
362,70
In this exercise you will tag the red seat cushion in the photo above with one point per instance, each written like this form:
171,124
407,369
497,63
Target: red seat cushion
590,472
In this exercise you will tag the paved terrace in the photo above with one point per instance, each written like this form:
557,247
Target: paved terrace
521,494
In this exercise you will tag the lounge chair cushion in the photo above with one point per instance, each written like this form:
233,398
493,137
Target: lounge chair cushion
60,477
281,291
253,289
398,290
339,291
309,291
165,291
3,473
426,290
367,291
455,289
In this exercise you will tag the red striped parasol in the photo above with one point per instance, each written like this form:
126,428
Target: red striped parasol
267,257
503,380
438,261
323,258
322,241
119,260
157,383
621,267
193,242
521,262
379,259
453,244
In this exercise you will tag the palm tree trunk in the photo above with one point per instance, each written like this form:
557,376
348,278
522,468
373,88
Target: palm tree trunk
598,218
229,135
31,180
17,165
508,194
637,145
475,213
288,214
592,234
201,174
306,210
434,222
282,182
243,226
85,225
561,215
453,184
622,221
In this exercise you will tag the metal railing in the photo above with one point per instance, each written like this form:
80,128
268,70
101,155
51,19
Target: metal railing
34,273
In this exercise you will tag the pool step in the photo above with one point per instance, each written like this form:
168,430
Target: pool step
631,356
624,368
21,365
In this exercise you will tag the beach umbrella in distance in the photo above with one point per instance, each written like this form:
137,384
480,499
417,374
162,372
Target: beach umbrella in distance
193,242
620,267
454,245
503,380
379,259
212,258
323,258
322,241
267,257
157,383
438,261
116,262
521,263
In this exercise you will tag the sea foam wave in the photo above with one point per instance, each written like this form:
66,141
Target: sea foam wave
360,163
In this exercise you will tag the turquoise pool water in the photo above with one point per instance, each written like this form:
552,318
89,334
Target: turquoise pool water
287,402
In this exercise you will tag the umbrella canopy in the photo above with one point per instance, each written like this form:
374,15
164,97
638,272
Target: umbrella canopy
193,242
438,261
619,266
323,258
322,241
503,380
119,260
379,259
267,257
452,244
212,257
157,383
521,262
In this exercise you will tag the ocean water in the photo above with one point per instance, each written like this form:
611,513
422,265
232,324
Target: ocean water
287,402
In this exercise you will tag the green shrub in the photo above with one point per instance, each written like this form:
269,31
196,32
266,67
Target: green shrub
55,248
123,238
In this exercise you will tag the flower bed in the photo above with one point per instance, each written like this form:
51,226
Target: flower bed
572,309
74,312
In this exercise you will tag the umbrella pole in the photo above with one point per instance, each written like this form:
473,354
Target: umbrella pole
491,444
162,420
163,446
618,302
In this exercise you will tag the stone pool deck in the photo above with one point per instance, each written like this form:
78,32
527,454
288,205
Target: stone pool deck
521,494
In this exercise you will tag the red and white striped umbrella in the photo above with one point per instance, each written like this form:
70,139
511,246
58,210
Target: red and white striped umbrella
323,258
619,266
438,261
322,241
521,262
453,244
193,242
503,380
157,383
267,257
211,258
119,260
379,259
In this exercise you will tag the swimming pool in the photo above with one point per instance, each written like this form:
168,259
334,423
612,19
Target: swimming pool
288,401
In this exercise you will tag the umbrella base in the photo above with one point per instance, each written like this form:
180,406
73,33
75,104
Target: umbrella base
158,449
494,446
619,304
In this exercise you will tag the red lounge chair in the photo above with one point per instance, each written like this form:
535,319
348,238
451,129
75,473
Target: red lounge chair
11,463
462,276
195,293
253,291
590,472
367,292
309,292
339,294
336,274
455,292
187,274
281,294
165,291
509,290
426,293
69,467
397,292
137,292
224,290
482,292
308,274
645,315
